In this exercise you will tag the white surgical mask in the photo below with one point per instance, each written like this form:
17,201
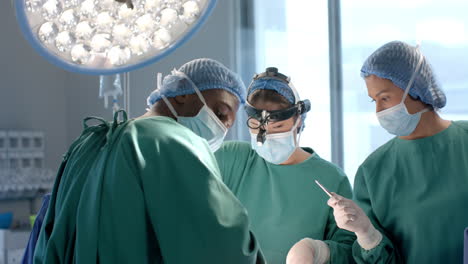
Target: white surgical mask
205,124
278,147
396,119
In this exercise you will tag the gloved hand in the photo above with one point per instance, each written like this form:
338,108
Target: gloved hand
308,251
349,216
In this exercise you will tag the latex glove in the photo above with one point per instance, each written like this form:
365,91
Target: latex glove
349,216
308,251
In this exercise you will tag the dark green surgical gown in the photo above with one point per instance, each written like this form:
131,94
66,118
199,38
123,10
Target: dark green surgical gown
146,191
416,192
284,203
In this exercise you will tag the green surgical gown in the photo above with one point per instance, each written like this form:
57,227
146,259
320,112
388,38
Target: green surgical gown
416,192
283,201
152,193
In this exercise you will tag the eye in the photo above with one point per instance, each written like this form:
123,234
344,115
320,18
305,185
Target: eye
221,116
385,99
276,124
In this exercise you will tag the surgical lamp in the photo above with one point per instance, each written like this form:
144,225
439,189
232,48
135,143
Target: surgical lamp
103,37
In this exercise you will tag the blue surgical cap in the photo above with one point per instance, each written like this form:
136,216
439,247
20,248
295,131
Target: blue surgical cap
206,74
397,61
275,85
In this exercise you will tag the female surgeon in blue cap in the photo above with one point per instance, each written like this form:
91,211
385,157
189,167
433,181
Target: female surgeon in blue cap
274,179
413,188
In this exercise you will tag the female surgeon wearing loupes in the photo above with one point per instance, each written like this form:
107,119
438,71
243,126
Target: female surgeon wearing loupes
274,178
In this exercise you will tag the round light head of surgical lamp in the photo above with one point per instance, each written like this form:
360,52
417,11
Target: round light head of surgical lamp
109,36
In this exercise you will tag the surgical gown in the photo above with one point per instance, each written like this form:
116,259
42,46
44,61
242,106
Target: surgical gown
151,194
284,203
416,192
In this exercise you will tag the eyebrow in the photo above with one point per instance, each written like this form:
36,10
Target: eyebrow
227,105
379,93
278,123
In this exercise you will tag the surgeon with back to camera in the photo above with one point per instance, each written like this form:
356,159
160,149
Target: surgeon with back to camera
149,190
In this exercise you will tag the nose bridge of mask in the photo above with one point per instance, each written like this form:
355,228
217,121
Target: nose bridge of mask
413,76
277,147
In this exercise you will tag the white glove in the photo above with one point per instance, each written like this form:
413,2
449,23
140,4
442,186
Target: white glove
308,251
349,216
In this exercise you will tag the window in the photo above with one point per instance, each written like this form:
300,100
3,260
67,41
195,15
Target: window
293,36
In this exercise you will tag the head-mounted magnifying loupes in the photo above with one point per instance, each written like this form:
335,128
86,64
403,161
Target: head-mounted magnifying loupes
263,117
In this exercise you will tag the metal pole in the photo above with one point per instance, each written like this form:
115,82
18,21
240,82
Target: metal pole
336,82
126,92
244,44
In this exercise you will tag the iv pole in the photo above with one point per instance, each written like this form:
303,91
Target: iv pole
126,92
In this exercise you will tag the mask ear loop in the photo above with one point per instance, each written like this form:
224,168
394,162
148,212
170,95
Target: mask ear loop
169,105
249,87
298,131
296,95
413,77
158,87
202,99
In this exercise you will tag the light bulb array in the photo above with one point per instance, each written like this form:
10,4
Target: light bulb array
107,33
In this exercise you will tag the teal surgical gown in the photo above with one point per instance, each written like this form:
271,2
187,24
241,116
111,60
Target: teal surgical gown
148,191
416,192
284,203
